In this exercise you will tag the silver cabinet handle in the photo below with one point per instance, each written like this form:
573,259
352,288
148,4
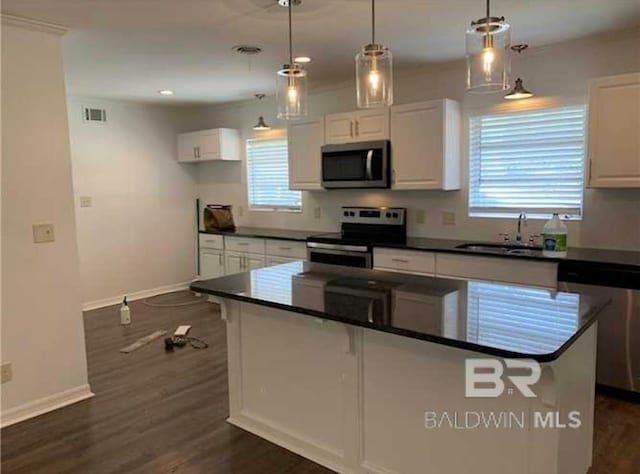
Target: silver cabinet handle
351,129
242,244
369,158
198,152
284,248
399,260
357,128
195,155
220,259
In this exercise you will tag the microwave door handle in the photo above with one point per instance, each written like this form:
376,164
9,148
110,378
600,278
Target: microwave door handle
369,158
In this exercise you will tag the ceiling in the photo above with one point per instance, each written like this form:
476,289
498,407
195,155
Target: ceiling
130,49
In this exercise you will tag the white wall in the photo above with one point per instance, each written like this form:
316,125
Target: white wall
554,73
42,329
139,234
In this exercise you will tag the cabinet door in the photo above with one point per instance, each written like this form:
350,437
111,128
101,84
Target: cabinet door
371,125
614,141
187,148
417,138
211,263
339,128
234,263
305,140
208,143
253,262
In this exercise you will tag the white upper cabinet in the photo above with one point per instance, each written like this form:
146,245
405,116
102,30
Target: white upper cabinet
425,141
209,145
305,140
358,126
614,132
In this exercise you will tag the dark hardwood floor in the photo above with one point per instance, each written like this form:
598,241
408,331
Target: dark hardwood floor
157,412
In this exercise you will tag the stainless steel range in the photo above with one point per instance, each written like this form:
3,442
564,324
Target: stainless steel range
361,229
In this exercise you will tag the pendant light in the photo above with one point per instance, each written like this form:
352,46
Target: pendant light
488,65
291,84
374,72
261,125
519,91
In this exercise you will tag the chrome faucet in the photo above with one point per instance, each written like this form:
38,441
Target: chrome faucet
521,218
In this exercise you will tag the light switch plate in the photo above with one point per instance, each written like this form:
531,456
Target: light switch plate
43,233
6,373
86,201
448,218
420,216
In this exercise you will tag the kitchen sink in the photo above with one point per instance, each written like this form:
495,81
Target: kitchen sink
508,249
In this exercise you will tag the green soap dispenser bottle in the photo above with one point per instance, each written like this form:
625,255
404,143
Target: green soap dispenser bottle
554,238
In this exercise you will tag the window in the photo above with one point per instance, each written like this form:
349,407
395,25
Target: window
527,161
268,176
531,320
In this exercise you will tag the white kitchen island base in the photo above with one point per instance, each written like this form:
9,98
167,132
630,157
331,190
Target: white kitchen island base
363,401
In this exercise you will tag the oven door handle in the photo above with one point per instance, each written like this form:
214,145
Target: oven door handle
347,248
370,313
369,159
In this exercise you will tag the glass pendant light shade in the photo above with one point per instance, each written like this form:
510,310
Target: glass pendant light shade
488,62
374,76
291,92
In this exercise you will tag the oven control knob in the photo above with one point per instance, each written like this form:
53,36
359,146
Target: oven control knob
395,214
352,214
388,214
346,213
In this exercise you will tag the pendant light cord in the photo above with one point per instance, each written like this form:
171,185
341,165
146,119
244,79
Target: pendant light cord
290,36
373,21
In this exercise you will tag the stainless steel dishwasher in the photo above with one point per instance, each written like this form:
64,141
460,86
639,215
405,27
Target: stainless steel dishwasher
618,360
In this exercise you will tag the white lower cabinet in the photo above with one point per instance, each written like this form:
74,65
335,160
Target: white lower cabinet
211,263
237,262
404,261
502,270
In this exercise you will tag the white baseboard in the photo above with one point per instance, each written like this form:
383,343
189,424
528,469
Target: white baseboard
135,296
45,405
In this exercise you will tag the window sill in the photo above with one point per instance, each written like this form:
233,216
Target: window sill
515,215
274,209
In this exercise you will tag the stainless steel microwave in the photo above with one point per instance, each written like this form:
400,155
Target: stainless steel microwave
357,165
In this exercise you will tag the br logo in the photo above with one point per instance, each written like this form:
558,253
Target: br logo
484,378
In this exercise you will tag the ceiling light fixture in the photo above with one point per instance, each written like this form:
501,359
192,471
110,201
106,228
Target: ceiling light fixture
374,71
261,125
519,91
302,59
291,84
488,40
166,92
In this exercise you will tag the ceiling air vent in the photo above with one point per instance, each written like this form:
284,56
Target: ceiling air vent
92,114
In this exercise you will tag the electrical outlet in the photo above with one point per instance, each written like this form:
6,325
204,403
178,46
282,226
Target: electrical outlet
43,233
86,201
6,373
317,212
448,218
421,216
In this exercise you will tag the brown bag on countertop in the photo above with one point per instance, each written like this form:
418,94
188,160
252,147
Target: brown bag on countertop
218,217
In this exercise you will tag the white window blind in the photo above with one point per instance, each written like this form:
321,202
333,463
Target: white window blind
527,161
528,319
268,176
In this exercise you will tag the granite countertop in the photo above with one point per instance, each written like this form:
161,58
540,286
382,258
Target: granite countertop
625,259
489,318
266,233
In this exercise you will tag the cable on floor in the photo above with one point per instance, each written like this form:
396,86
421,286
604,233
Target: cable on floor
149,301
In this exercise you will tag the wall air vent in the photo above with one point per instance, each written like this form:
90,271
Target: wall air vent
92,114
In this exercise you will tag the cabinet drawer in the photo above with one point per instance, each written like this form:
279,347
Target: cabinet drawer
211,241
287,248
245,244
406,261
506,270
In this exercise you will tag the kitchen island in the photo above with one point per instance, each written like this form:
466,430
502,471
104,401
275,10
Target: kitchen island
369,372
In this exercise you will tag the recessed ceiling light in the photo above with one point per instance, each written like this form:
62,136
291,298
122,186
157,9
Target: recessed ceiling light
165,92
302,59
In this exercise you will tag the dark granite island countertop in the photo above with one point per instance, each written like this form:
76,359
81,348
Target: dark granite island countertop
485,317
265,233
